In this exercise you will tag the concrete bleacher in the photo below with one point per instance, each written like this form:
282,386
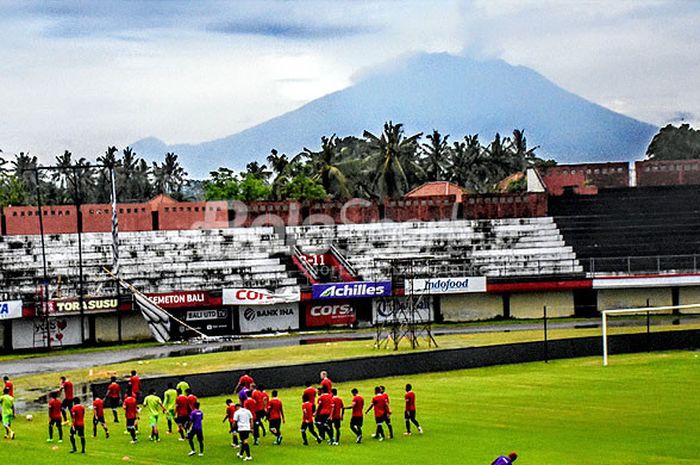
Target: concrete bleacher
644,229
495,248
154,261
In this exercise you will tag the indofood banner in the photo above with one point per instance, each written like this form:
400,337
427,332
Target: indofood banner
249,296
463,285
398,310
10,310
347,290
278,317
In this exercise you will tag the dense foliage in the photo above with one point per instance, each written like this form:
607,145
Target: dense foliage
387,164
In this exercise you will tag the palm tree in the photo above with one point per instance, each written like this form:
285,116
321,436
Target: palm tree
259,171
436,155
394,159
169,177
277,162
328,167
103,188
23,166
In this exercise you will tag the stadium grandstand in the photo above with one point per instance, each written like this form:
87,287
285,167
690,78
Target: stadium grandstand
584,239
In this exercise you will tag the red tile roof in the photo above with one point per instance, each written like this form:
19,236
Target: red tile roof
437,188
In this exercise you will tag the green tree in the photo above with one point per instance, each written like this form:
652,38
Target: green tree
436,154
304,188
327,167
675,143
260,171
223,184
252,188
394,159
12,190
169,177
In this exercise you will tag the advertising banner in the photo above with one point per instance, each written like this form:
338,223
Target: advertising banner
340,313
212,322
397,310
184,299
10,310
39,333
247,296
461,285
346,290
277,317
90,305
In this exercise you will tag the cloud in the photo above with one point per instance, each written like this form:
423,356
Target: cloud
290,30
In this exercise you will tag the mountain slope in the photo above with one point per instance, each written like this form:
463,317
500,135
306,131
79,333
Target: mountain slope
455,95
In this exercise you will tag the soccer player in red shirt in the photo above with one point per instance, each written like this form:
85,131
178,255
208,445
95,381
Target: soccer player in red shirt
113,397
325,409
310,392
135,385
98,416
307,420
381,412
55,417
182,413
410,413
77,413
230,412
67,388
251,405
275,417
131,412
261,399
9,385
326,382
357,418
244,382
337,416
388,414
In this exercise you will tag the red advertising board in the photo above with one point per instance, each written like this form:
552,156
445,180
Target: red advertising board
185,299
330,313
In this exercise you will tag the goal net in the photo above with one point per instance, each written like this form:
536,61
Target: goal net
674,310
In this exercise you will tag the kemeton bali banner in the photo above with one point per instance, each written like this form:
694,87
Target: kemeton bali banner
347,290
250,296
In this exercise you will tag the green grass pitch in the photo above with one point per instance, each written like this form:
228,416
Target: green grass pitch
642,409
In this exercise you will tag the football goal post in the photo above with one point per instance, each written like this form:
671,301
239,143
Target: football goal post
641,311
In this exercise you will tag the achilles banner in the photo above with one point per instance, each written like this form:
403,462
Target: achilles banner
10,310
247,296
278,317
339,313
397,309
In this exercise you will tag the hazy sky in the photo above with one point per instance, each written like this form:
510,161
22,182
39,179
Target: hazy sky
81,75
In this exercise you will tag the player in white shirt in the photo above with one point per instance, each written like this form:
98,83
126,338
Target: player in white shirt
243,423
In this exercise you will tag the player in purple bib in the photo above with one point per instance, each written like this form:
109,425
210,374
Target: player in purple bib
196,417
505,459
